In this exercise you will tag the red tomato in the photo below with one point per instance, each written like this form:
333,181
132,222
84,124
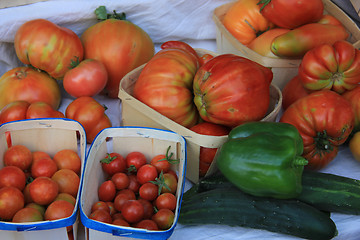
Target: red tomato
164,218
291,13
353,96
113,163
166,200
120,45
134,184
205,58
331,66
121,222
230,90
27,214
112,208
135,160
47,46
42,110
67,197
121,199
146,173
88,78
91,115
101,216
19,156
39,154
148,191
121,180
292,91
100,205
11,176
45,167
148,208
170,182
67,180
244,20
324,120
68,159
165,85
58,209
147,224
27,84
38,207
107,191
11,201
132,211
43,190
161,163
26,193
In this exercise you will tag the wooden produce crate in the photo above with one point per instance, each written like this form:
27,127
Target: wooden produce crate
284,69
136,113
50,136
124,140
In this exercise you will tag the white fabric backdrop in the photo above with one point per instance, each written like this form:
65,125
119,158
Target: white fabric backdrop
186,20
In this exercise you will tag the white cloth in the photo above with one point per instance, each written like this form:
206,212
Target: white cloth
186,20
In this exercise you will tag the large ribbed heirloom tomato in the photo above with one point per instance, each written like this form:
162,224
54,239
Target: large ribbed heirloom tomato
230,90
47,46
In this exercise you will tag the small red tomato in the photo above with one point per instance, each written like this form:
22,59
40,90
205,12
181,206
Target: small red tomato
11,176
67,180
164,218
27,214
101,216
58,209
107,191
19,156
170,183
11,201
113,163
121,222
134,160
43,190
134,184
100,205
67,197
44,167
121,180
86,78
147,224
148,191
148,208
146,173
166,200
69,159
132,211
120,200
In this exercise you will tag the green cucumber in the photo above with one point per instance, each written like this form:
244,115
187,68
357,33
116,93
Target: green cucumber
232,207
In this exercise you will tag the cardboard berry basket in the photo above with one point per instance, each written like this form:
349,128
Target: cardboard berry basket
136,113
123,140
50,136
284,69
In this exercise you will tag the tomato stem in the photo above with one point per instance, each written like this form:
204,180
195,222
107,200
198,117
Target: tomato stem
322,142
101,14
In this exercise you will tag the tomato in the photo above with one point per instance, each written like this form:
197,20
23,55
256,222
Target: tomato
38,207
120,45
67,197
324,120
244,20
47,46
148,191
121,199
100,205
134,184
19,156
39,154
164,218
91,115
262,43
113,163
27,196
86,78
45,167
165,85
67,180
12,176
207,154
353,96
101,216
291,13
42,110
43,190
27,214
166,200
112,208
11,201
121,222
147,224
354,145
58,209
148,208
170,182
205,58
107,191
27,84
121,180
68,159
135,160
331,66
292,91
230,90
117,215
132,211
161,163
146,173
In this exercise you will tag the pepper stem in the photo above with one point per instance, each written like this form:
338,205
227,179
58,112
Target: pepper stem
300,161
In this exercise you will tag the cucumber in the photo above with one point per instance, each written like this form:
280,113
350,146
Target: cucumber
232,207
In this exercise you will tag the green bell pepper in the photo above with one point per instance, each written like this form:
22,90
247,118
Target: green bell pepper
264,159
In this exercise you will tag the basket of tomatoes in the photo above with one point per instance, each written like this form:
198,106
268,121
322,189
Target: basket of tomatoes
133,183
41,168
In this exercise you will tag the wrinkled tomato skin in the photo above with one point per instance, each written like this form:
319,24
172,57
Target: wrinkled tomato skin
27,84
165,85
42,110
121,46
47,46
331,66
324,120
292,13
230,90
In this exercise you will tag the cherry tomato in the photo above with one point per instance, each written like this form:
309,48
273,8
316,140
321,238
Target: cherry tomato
132,211
170,182
58,209
121,222
19,156
134,160
11,176
43,190
146,173
69,159
27,214
148,191
67,180
134,184
11,201
147,224
44,167
101,216
100,205
112,208
67,197
121,180
166,200
38,207
107,191
161,163
148,208
164,218
120,200
113,163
